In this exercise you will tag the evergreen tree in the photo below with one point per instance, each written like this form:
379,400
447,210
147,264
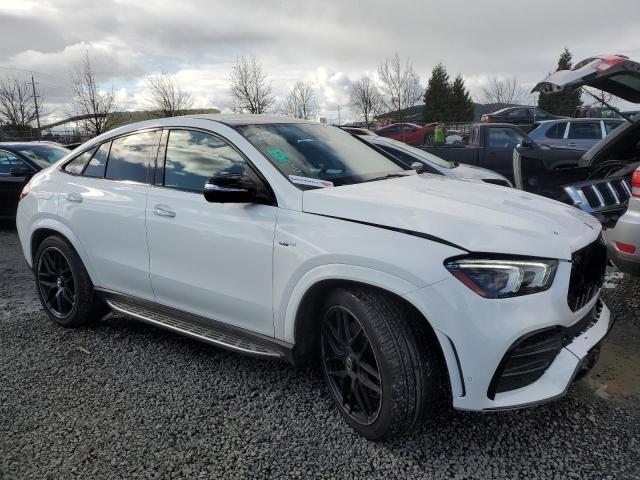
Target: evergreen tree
561,103
437,95
461,105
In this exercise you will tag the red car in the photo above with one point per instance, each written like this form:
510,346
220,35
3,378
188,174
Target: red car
409,133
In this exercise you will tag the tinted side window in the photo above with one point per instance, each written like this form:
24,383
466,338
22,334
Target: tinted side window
95,168
130,156
77,164
503,137
585,130
556,131
399,154
8,161
193,157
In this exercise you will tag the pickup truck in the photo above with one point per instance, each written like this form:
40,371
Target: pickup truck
491,146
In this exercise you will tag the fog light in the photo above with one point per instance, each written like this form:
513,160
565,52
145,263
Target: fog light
625,248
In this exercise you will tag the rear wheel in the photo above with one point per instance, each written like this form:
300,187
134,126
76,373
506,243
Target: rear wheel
64,287
380,363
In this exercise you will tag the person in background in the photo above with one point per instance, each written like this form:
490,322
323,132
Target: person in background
438,134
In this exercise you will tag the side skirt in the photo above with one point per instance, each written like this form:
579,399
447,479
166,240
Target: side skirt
198,327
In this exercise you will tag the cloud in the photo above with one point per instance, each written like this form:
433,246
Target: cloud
329,44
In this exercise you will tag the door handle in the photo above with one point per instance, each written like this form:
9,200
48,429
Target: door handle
571,144
163,211
73,197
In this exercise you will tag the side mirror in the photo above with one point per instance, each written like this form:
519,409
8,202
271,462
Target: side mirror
418,167
230,188
526,142
20,171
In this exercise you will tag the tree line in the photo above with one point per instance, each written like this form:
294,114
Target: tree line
394,90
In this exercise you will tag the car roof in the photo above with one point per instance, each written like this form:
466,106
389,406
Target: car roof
234,119
27,144
579,120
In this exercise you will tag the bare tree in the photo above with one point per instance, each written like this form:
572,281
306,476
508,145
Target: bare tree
90,101
17,106
365,98
400,85
503,92
301,101
249,87
165,93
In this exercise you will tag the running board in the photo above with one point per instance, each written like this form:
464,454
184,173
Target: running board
212,332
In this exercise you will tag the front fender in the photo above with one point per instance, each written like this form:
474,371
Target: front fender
286,315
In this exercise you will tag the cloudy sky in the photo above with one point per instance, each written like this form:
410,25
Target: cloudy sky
329,43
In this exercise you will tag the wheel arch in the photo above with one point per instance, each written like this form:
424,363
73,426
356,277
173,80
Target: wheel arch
306,322
48,227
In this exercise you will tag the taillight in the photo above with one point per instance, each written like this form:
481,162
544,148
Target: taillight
610,61
25,191
625,247
485,119
635,183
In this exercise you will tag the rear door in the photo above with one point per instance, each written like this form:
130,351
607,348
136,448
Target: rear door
105,205
10,186
583,135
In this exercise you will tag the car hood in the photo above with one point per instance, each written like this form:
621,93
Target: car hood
615,74
476,217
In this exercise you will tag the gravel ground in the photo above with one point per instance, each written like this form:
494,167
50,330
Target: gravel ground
122,399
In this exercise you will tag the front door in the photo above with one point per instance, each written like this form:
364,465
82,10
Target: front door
211,259
498,154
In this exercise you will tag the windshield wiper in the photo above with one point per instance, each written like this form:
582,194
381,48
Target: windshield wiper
385,177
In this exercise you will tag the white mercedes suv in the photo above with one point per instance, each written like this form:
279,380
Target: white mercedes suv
285,238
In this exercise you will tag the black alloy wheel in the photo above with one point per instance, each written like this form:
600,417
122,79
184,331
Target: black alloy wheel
56,282
350,365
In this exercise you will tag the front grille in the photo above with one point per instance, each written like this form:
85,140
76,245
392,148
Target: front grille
588,266
600,195
530,356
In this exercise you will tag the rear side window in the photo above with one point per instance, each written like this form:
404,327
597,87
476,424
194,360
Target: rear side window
556,131
585,130
193,157
95,168
130,156
77,164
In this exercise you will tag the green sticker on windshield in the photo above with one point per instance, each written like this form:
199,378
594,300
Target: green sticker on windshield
278,154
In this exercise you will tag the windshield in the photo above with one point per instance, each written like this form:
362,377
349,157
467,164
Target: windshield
43,155
421,154
316,156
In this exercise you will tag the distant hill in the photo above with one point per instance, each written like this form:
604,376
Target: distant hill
124,118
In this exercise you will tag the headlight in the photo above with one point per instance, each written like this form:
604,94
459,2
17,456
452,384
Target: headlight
503,278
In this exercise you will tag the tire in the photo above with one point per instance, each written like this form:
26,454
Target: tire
63,284
428,139
410,384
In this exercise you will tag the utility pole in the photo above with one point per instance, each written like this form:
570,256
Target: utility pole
35,101
339,122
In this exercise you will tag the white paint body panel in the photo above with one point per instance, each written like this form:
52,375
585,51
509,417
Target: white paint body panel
251,265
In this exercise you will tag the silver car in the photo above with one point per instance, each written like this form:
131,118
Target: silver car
433,164
623,241
578,133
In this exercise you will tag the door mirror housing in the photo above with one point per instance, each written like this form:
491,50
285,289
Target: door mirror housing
526,142
418,167
20,171
230,188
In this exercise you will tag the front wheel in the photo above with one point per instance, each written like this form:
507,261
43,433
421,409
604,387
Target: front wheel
381,365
